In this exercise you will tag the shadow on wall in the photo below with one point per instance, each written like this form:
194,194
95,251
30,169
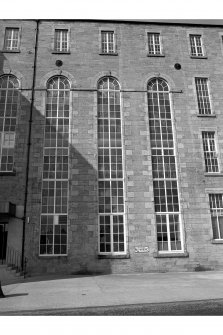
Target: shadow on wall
82,255
12,186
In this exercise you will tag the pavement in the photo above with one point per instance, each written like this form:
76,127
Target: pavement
54,292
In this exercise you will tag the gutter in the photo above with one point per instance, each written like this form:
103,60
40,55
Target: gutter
29,146
165,22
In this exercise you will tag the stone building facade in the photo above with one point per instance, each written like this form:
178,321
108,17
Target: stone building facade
114,164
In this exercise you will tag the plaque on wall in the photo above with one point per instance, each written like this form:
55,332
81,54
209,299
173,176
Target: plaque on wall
141,249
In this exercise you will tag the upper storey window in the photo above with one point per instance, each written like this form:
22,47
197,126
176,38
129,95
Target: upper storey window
61,40
107,42
9,95
154,44
196,45
203,96
210,152
11,42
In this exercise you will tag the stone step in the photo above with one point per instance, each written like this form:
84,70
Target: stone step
9,275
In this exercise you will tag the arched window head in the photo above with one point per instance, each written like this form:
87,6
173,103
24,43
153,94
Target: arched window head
109,103
108,83
158,85
9,82
58,83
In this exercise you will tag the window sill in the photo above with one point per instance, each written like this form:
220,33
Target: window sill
171,255
126,256
217,241
51,256
11,51
206,115
213,174
61,52
158,55
198,57
7,173
108,54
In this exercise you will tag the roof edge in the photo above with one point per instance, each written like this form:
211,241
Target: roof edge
178,22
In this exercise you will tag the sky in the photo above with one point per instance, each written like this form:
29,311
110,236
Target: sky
113,9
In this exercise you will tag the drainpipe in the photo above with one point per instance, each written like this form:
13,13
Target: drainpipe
29,145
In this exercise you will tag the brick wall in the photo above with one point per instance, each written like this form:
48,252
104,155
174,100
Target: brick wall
84,66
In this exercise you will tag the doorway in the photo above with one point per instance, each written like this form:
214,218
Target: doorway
3,242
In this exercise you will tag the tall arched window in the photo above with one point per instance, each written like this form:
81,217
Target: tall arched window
9,95
53,235
110,169
165,183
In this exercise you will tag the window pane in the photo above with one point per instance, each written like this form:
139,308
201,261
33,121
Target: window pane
220,222
215,228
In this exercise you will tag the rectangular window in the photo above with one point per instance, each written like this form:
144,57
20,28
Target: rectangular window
210,152
168,232
7,145
154,45
61,41
203,97
216,207
196,45
107,42
11,42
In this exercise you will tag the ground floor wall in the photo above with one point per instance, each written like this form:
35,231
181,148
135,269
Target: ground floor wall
15,234
200,253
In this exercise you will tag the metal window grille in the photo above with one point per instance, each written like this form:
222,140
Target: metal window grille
203,98
61,43
154,45
165,183
196,45
216,208
9,100
210,152
110,169
53,234
107,41
11,39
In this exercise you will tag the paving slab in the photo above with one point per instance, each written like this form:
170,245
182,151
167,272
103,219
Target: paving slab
111,290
